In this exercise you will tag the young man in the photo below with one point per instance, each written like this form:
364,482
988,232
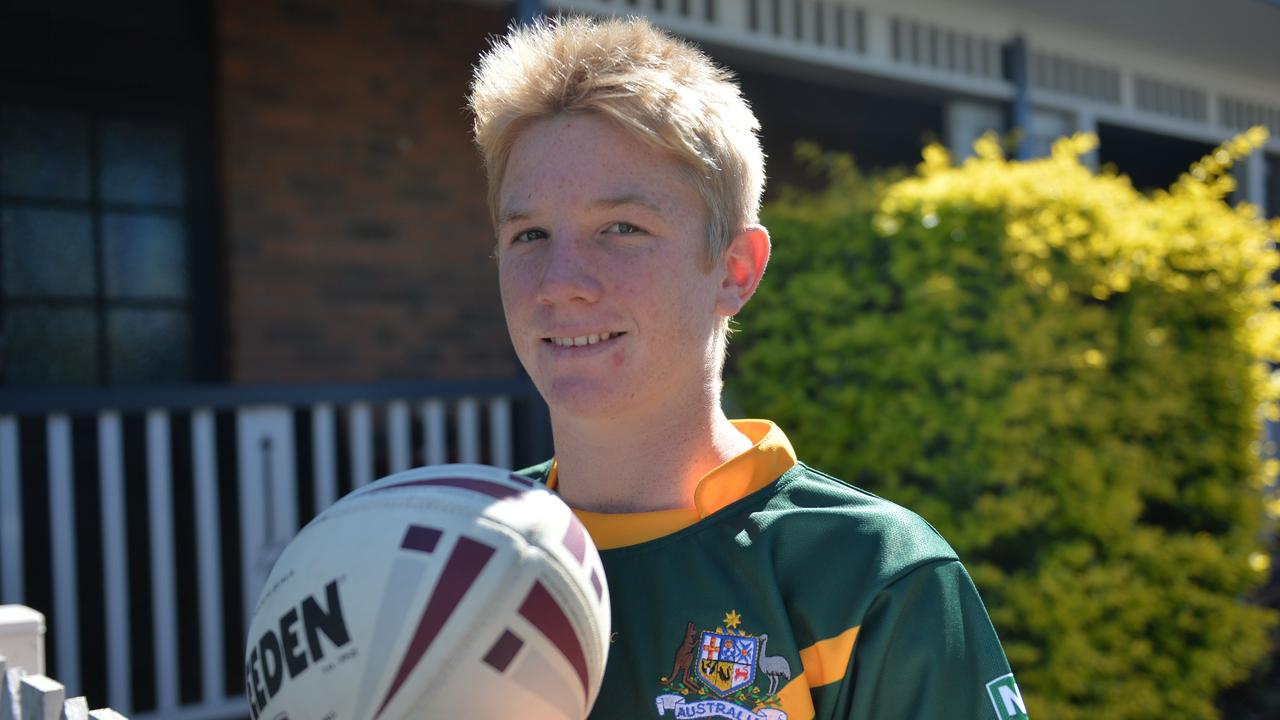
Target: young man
625,179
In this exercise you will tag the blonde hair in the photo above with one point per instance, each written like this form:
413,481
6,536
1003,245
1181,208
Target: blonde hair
664,91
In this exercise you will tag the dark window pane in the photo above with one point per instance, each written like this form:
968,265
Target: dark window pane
50,345
145,256
156,17
142,163
43,154
47,252
148,346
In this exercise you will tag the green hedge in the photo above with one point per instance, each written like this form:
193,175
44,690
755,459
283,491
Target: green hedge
1067,378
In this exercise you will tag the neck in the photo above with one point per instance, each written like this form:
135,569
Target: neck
643,464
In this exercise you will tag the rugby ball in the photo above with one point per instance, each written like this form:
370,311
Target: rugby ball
452,591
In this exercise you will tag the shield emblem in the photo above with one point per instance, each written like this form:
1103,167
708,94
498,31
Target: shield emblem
727,662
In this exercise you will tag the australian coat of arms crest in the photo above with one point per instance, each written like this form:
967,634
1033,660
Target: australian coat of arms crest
724,673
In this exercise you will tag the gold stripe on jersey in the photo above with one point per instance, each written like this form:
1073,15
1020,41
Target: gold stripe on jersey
827,661
796,701
768,458
823,662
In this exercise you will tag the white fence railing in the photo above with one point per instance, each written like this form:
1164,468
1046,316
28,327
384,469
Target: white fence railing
175,503
26,693
36,697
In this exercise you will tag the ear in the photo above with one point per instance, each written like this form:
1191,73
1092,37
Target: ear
742,266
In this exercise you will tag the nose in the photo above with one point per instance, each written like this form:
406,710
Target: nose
567,274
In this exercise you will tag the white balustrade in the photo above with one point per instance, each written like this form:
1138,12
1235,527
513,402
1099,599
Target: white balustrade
135,458
33,695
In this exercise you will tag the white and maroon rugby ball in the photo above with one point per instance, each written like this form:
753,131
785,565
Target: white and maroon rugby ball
453,591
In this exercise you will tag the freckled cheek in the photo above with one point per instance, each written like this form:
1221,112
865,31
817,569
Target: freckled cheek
514,282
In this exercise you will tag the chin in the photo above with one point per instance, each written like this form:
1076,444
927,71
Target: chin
587,399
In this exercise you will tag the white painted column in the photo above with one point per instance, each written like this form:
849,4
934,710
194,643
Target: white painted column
360,437
1046,127
1087,122
11,590
76,708
398,431
500,451
164,592
204,462
41,698
966,121
734,16
22,630
1253,181
62,534
115,559
10,691
434,432
268,508
879,31
468,430
324,456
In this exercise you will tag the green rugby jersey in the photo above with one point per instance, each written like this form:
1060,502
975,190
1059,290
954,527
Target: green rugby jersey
786,594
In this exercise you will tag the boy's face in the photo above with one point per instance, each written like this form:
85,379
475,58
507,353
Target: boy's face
600,240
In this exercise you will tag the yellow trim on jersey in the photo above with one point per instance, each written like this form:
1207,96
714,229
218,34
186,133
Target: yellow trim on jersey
615,530
739,476
824,662
768,458
795,699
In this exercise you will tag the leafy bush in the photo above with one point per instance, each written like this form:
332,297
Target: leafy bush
1066,377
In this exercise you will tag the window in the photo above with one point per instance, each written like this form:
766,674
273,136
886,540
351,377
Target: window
106,262
95,249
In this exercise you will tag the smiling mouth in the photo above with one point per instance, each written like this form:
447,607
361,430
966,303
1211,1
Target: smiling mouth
582,340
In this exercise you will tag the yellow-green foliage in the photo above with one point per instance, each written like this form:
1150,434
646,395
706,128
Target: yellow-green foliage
1063,375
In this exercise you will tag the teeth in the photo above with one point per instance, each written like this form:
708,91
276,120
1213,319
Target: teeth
581,340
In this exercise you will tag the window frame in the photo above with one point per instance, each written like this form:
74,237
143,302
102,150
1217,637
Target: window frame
108,74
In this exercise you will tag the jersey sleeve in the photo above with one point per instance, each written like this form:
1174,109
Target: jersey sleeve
926,649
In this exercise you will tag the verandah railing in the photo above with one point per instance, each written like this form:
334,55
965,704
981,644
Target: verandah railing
171,504
25,691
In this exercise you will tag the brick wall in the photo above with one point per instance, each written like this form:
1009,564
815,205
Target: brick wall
354,219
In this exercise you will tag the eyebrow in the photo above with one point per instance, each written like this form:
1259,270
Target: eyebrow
511,215
620,200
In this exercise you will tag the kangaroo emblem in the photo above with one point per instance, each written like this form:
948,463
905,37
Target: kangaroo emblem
684,659
722,673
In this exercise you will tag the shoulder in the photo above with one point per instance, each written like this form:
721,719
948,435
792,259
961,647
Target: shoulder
839,555
814,519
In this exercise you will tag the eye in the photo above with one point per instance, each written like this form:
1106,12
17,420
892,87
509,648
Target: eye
623,228
528,236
